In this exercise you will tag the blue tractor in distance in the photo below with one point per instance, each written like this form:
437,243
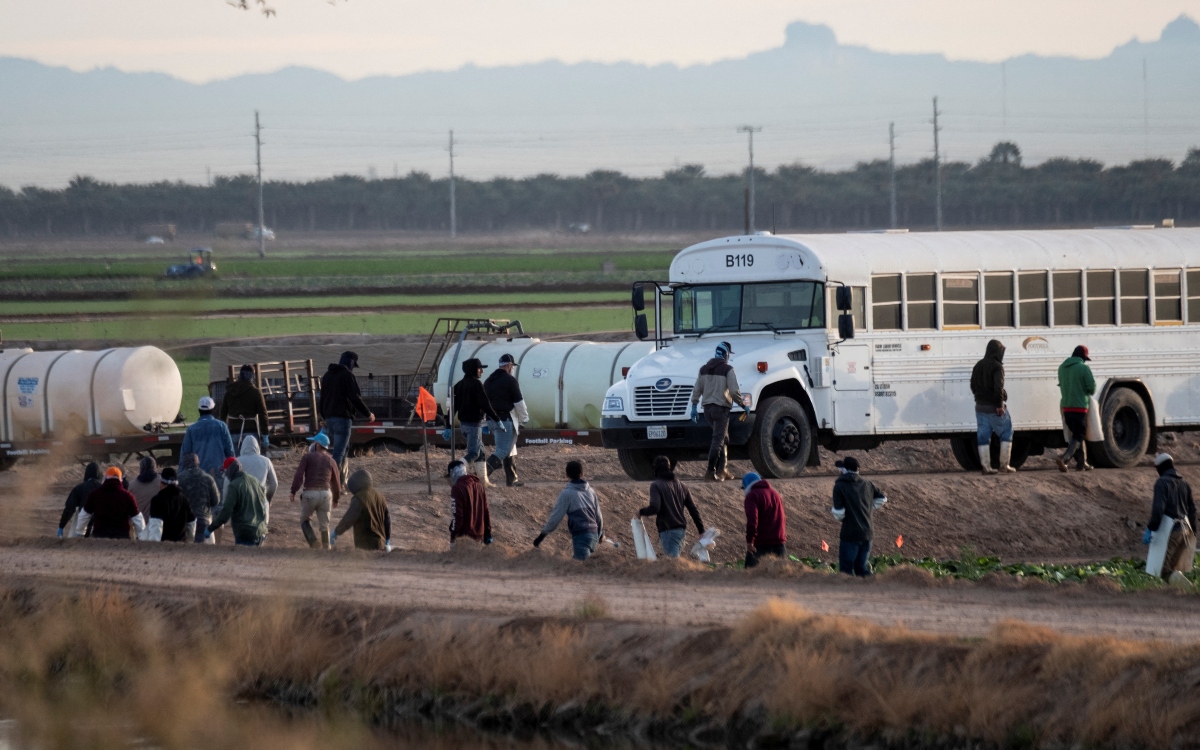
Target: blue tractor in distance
199,265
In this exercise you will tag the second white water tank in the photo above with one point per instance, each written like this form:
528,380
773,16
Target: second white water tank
563,382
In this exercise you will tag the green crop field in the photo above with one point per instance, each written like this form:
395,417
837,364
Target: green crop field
194,371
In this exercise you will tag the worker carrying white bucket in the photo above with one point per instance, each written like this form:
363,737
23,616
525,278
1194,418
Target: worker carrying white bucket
1170,532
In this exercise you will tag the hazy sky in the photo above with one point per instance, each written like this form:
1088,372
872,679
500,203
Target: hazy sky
205,39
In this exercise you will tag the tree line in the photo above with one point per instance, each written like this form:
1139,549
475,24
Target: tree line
997,191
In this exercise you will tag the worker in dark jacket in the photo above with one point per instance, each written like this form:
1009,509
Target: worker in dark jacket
580,505
717,391
504,394
1173,499
669,499
1077,386
91,483
171,518
991,408
471,405
368,515
469,513
111,510
244,409
854,501
766,523
341,400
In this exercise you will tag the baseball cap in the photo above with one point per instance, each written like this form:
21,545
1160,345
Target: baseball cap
508,359
1082,353
471,365
228,462
1162,458
320,439
206,403
849,463
724,349
112,472
349,360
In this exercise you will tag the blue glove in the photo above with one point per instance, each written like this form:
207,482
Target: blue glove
266,441
60,533
694,413
332,538
1147,536
487,540
446,434
486,430
207,533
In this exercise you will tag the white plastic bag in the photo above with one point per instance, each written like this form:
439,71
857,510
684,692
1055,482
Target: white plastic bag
1095,431
707,540
641,541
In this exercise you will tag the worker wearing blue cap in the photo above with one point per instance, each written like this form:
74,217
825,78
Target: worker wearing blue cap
717,391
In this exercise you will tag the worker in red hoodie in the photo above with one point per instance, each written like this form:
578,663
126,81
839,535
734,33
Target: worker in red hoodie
112,510
469,515
766,523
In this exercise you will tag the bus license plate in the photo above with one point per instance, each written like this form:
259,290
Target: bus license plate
656,432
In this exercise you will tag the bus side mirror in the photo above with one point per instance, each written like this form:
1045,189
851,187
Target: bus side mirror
639,298
640,327
845,299
845,325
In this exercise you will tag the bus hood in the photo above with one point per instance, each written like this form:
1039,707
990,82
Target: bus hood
683,359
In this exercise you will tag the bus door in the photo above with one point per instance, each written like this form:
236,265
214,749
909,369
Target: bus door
853,404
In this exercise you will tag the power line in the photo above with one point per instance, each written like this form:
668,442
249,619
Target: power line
937,166
892,167
262,235
453,218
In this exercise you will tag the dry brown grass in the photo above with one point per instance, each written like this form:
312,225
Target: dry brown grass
96,670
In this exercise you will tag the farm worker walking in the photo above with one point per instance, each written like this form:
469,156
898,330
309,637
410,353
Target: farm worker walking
200,489
669,498
469,514
341,400
854,501
581,506
171,518
244,405
145,485
1077,385
717,390
79,493
111,510
504,394
208,438
766,523
368,515
258,466
1173,499
318,475
244,508
991,409
471,404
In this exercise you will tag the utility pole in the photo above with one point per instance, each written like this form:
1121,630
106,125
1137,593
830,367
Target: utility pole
892,167
1145,112
453,218
751,130
262,239
1004,100
937,168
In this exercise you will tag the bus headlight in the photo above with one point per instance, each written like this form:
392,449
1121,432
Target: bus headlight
614,403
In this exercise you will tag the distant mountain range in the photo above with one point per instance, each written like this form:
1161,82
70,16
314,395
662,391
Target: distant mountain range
819,102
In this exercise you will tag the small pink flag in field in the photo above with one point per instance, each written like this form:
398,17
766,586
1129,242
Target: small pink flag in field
899,541
824,546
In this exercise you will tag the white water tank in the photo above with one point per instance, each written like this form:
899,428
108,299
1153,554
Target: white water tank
563,382
64,394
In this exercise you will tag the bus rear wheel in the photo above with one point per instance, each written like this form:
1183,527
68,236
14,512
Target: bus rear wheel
1126,424
7,462
782,438
967,454
638,464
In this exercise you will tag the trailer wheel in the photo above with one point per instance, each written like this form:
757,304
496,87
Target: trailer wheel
967,455
7,462
782,438
1126,424
385,447
638,464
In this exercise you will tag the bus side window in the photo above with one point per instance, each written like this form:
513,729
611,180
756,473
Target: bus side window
960,301
1101,298
885,303
1068,299
1135,298
998,300
921,306
1034,294
1168,305
1193,286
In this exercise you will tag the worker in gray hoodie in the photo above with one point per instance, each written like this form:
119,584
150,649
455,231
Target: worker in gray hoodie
581,506
258,466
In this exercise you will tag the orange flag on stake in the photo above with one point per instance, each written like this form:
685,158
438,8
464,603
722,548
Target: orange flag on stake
899,541
824,546
426,406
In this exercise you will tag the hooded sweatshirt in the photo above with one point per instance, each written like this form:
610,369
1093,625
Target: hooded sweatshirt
245,507
581,506
856,500
669,498
244,399
1076,383
198,487
145,485
112,509
469,513
1173,498
471,401
367,515
766,523
171,507
987,379
717,384
340,394
256,465
91,483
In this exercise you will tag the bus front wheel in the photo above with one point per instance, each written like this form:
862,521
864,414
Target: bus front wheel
782,438
1126,424
638,464
7,462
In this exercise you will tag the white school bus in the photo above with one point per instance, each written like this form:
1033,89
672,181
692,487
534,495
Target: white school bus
923,306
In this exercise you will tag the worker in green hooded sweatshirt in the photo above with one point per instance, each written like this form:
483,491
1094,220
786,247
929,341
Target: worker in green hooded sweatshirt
244,507
1077,385
367,515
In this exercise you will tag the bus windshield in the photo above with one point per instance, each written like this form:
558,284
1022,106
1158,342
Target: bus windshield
783,306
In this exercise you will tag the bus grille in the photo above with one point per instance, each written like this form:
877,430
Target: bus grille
648,401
